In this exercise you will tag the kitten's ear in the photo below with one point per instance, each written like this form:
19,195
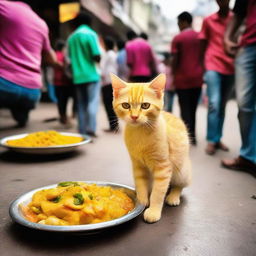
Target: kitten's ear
117,84
158,84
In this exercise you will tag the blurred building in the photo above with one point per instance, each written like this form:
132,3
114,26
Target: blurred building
110,17
160,29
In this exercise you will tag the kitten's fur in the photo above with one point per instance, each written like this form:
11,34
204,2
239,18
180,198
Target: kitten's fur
157,142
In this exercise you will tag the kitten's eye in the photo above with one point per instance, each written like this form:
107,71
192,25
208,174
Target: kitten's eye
126,105
145,105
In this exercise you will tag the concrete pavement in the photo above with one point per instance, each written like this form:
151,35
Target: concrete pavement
217,215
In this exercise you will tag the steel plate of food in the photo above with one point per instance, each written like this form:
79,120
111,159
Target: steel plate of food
45,142
76,206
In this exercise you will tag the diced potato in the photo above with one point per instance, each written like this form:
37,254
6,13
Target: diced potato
52,193
89,210
41,216
36,210
52,220
73,218
69,202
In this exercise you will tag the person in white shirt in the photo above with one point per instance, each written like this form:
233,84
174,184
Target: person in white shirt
108,65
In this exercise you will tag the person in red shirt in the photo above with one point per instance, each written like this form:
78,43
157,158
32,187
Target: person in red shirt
63,85
219,75
187,71
245,82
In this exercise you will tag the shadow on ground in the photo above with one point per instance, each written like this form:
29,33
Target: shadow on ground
14,157
38,240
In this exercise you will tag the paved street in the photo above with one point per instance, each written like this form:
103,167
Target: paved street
217,215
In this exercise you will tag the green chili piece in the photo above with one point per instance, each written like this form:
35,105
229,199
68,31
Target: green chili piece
68,183
78,199
56,199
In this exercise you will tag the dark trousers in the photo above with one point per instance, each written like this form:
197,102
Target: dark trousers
107,96
63,93
188,101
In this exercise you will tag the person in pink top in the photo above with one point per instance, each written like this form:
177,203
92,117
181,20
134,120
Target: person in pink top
187,71
23,41
140,58
219,73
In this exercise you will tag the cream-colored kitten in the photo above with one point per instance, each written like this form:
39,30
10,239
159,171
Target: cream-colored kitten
157,142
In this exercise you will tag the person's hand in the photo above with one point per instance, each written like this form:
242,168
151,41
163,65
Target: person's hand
230,47
59,64
103,77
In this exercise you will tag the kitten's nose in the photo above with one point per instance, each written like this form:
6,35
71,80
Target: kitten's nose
134,118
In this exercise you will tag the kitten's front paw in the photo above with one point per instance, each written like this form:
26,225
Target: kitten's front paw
152,215
173,200
143,200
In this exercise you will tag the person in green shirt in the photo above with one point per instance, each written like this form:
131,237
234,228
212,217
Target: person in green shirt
84,53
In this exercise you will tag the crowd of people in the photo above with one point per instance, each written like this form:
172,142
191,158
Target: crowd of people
222,55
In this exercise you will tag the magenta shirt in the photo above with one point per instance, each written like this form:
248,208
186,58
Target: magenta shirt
213,30
189,71
139,57
23,37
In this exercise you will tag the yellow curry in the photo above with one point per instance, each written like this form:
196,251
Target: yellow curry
44,139
76,203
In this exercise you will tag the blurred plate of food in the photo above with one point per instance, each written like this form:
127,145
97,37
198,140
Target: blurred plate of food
76,207
45,142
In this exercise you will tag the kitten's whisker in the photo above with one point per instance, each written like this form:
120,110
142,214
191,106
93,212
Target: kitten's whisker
148,124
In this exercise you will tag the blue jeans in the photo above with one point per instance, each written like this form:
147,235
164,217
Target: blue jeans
245,66
219,88
88,96
20,100
168,100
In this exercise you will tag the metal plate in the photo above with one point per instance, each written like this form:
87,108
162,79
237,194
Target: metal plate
45,150
18,217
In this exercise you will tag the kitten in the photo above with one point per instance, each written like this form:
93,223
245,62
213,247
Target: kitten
157,142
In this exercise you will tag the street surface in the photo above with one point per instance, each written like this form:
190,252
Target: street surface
217,215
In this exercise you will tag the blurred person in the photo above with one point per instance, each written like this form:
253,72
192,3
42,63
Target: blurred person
63,85
245,82
140,58
219,73
108,65
122,68
165,67
144,36
48,73
187,71
84,53
24,41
